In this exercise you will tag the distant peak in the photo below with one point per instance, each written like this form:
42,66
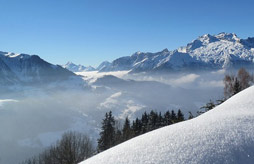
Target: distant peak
69,63
105,62
138,53
165,50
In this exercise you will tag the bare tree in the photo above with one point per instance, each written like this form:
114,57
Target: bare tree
228,85
234,84
244,78
72,148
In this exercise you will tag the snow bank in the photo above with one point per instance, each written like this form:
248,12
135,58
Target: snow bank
223,135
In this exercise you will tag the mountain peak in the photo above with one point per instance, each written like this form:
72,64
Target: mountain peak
138,52
227,36
77,68
69,63
208,38
104,66
14,55
165,50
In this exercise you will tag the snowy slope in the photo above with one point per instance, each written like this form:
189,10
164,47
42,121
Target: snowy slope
77,68
222,135
224,50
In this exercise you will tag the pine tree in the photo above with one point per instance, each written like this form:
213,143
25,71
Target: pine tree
137,127
144,123
173,116
180,116
127,132
210,105
118,131
160,122
111,129
167,118
118,137
152,122
102,141
107,135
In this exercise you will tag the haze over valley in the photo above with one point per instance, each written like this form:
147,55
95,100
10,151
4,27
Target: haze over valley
36,92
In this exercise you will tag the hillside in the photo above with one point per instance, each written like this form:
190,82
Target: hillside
222,135
27,69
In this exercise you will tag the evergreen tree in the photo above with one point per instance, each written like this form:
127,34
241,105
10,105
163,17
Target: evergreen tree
137,127
107,135
220,101
210,105
127,132
118,137
102,141
180,116
167,118
144,123
160,122
118,131
152,122
173,116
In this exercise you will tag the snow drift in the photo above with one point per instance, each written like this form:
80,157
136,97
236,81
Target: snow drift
222,135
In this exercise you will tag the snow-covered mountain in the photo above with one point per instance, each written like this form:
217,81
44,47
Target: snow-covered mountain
77,68
23,68
224,50
222,135
104,66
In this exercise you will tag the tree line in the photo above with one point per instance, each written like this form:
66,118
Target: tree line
112,135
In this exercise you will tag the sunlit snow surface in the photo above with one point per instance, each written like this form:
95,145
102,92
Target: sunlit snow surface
223,135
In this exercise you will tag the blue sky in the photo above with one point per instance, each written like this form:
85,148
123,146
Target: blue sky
90,31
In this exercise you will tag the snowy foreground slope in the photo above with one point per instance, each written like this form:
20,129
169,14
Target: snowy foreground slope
223,135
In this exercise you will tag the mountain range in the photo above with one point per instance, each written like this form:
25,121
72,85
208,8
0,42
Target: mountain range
207,52
221,51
